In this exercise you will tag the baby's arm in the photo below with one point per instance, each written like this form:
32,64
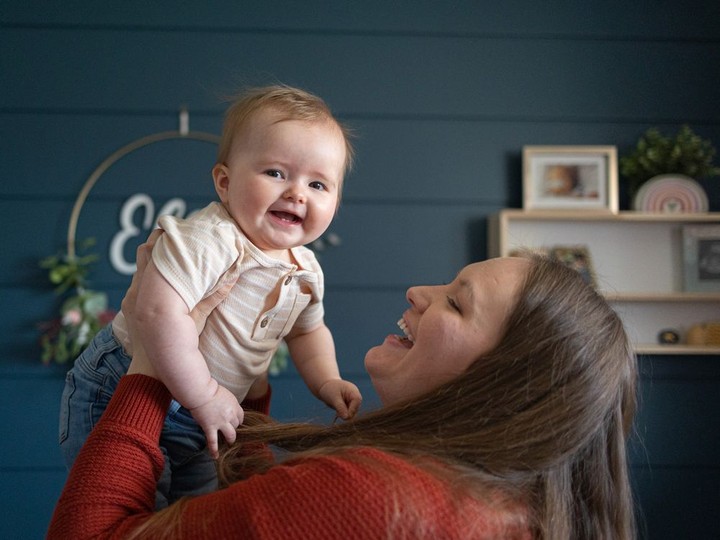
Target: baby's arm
170,338
314,356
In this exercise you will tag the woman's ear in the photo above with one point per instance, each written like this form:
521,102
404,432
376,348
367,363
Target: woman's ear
221,178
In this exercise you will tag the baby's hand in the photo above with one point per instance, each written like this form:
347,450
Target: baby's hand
222,413
343,396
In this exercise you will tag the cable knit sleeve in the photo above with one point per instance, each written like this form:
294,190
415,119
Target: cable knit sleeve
116,472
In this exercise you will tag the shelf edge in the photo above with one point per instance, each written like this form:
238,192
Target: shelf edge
680,350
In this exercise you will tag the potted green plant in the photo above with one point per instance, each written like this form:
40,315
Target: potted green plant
686,156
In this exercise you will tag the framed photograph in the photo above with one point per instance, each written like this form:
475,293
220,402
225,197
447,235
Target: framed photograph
577,258
701,258
570,177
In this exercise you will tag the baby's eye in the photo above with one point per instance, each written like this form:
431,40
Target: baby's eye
318,185
275,173
453,304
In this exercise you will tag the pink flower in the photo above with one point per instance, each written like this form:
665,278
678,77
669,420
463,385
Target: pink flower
72,317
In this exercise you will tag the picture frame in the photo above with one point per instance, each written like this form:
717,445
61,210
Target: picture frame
576,258
570,178
701,258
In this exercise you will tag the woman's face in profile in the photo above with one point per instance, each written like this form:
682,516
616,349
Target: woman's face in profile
446,328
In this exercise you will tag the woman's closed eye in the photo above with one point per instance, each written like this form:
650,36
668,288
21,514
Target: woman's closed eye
453,304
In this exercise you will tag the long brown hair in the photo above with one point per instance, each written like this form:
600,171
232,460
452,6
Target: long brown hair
545,416
542,419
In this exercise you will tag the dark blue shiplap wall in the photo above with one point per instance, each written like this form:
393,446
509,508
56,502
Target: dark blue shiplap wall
442,96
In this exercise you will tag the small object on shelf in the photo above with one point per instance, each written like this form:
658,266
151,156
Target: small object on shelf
672,193
669,337
704,334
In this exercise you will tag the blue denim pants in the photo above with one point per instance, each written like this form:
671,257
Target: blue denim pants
189,469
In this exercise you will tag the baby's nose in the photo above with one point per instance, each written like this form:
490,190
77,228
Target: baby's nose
295,193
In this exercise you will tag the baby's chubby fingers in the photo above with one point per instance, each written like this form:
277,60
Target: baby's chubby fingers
343,396
229,433
352,399
212,444
221,414
353,405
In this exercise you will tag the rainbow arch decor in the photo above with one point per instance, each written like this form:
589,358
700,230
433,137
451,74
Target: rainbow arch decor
671,193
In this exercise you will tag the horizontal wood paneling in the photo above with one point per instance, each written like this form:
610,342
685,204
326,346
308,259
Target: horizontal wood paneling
29,498
677,502
401,236
587,20
38,409
50,156
442,96
673,424
535,78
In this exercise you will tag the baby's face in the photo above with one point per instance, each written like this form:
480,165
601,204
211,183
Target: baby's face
282,180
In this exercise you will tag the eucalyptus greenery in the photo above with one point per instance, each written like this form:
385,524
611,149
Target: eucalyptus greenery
686,153
83,312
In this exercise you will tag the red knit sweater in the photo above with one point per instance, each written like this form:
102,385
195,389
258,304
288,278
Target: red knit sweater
111,490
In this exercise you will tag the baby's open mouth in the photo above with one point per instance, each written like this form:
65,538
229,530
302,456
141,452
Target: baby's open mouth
286,216
408,340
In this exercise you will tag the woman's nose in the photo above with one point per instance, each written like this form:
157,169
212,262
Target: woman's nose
417,297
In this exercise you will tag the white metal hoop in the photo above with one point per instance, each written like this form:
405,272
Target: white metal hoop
183,133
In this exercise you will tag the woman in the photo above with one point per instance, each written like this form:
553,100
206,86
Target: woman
506,407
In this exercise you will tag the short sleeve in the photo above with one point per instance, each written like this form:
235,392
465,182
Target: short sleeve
193,254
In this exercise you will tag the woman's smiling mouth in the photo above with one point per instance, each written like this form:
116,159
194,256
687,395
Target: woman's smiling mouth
408,339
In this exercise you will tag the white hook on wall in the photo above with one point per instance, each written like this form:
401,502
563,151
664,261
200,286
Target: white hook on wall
184,120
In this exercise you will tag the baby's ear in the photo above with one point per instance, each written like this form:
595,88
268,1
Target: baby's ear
221,179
